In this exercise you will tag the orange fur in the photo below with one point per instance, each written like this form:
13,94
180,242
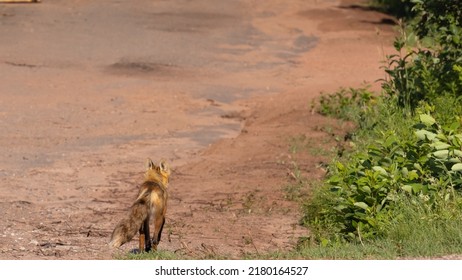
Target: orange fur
151,203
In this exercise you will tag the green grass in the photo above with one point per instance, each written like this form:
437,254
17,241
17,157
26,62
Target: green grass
423,231
297,187
158,255
417,233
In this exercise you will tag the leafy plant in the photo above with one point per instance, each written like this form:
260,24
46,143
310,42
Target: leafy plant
362,193
348,104
429,54
408,158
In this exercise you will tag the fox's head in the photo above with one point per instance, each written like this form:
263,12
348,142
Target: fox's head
157,173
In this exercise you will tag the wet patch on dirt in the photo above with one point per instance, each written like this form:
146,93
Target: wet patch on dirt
136,68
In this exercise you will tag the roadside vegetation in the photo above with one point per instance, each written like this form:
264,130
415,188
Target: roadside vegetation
396,191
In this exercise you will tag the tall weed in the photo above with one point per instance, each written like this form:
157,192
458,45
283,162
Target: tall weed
429,54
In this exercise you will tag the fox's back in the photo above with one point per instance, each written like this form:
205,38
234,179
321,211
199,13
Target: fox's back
157,194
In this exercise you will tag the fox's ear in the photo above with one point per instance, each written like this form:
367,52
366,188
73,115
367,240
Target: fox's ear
149,164
163,165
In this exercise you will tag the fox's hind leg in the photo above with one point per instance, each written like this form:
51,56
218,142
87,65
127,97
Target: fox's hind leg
145,241
158,226
147,246
142,239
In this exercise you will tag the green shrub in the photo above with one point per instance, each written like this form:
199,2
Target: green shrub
407,157
358,199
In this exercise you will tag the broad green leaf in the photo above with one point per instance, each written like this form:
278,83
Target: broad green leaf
340,166
391,140
380,169
454,126
407,188
405,172
457,167
412,188
427,119
423,134
417,187
443,154
366,189
361,205
440,145
458,153
442,136
369,200
413,175
334,179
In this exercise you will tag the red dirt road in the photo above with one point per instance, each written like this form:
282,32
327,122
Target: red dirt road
89,89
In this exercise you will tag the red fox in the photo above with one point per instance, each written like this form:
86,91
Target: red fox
150,203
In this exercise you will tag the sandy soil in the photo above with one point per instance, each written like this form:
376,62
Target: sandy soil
221,89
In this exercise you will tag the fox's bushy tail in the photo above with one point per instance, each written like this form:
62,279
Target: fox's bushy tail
129,226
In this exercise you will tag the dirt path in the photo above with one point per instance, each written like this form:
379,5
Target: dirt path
89,89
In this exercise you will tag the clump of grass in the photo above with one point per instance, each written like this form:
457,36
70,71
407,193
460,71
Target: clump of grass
154,255
420,230
348,104
296,188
